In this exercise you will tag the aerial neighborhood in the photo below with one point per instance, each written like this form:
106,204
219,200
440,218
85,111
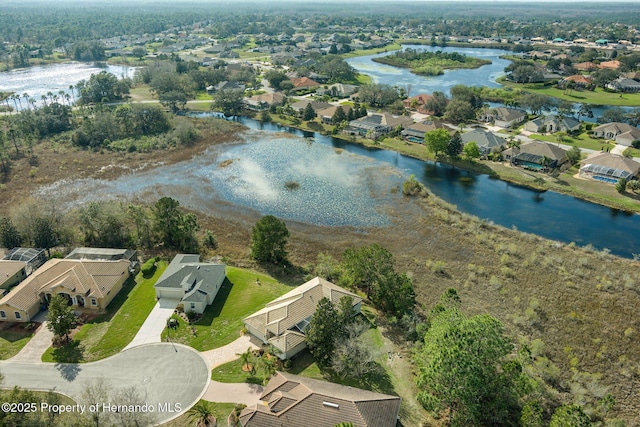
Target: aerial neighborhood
285,215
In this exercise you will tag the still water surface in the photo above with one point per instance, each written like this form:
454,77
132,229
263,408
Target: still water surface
347,184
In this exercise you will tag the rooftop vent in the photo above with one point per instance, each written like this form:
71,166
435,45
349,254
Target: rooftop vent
331,405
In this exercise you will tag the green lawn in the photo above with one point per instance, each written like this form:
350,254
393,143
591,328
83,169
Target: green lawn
110,333
12,341
364,79
597,97
583,141
221,323
365,52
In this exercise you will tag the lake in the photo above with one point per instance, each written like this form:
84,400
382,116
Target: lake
39,80
347,184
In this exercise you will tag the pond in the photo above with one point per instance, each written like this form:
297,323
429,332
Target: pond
40,80
347,184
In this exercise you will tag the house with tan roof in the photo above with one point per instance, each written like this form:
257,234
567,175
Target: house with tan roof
418,103
375,125
85,284
11,273
621,133
193,283
607,167
579,80
264,101
504,117
610,65
585,66
284,321
326,114
416,131
292,400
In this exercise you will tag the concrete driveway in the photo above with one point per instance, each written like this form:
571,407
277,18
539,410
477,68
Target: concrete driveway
171,378
152,328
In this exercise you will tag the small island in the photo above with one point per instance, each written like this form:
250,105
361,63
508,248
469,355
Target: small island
430,63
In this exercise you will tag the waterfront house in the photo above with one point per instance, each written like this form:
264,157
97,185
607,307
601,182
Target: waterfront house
415,132
338,90
487,142
264,101
504,117
623,84
621,133
536,155
33,258
610,168
552,124
418,103
376,125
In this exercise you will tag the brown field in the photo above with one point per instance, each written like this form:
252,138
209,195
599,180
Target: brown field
580,303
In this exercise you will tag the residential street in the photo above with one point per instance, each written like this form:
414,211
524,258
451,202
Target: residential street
163,373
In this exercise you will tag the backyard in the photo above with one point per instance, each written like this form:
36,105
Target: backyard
13,339
109,333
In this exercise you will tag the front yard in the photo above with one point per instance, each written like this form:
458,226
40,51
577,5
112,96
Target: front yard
242,293
13,339
108,334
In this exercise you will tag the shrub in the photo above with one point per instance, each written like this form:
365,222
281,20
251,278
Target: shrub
634,185
209,240
621,185
413,188
148,268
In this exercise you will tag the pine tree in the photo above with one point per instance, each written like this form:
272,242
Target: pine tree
309,113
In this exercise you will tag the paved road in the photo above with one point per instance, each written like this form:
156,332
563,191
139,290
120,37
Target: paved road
163,373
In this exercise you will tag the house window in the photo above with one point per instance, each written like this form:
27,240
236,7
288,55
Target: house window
18,317
3,315
193,306
94,302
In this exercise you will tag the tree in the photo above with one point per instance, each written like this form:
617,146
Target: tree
610,115
131,397
175,229
9,235
61,317
309,113
102,87
275,78
203,414
378,95
604,76
459,111
536,102
621,185
268,240
45,235
352,357
104,225
246,359
229,102
459,369
339,116
437,103
395,295
531,415
574,155
367,266
471,150
454,147
437,140
585,110
174,100
321,334
139,52
570,416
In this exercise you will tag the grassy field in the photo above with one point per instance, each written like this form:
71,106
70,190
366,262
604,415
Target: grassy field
365,52
110,333
13,340
239,296
597,97
582,141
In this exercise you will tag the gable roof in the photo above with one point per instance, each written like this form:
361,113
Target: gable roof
196,278
295,400
281,317
384,119
316,105
330,111
93,279
508,114
619,129
8,269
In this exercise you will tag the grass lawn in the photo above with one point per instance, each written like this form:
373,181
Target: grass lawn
108,334
583,141
596,97
364,52
221,323
364,79
203,96
221,409
141,93
12,340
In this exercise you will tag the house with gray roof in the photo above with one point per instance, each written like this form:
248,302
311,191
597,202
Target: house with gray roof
504,117
338,90
536,155
621,133
623,84
552,124
487,142
377,124
416,131
609,168
292,400
195,284
284,321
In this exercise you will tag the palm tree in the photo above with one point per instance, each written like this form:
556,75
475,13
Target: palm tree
203,414
245,358
72,93
27,99
44,99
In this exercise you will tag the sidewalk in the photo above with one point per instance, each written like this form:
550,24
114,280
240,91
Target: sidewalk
227,353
